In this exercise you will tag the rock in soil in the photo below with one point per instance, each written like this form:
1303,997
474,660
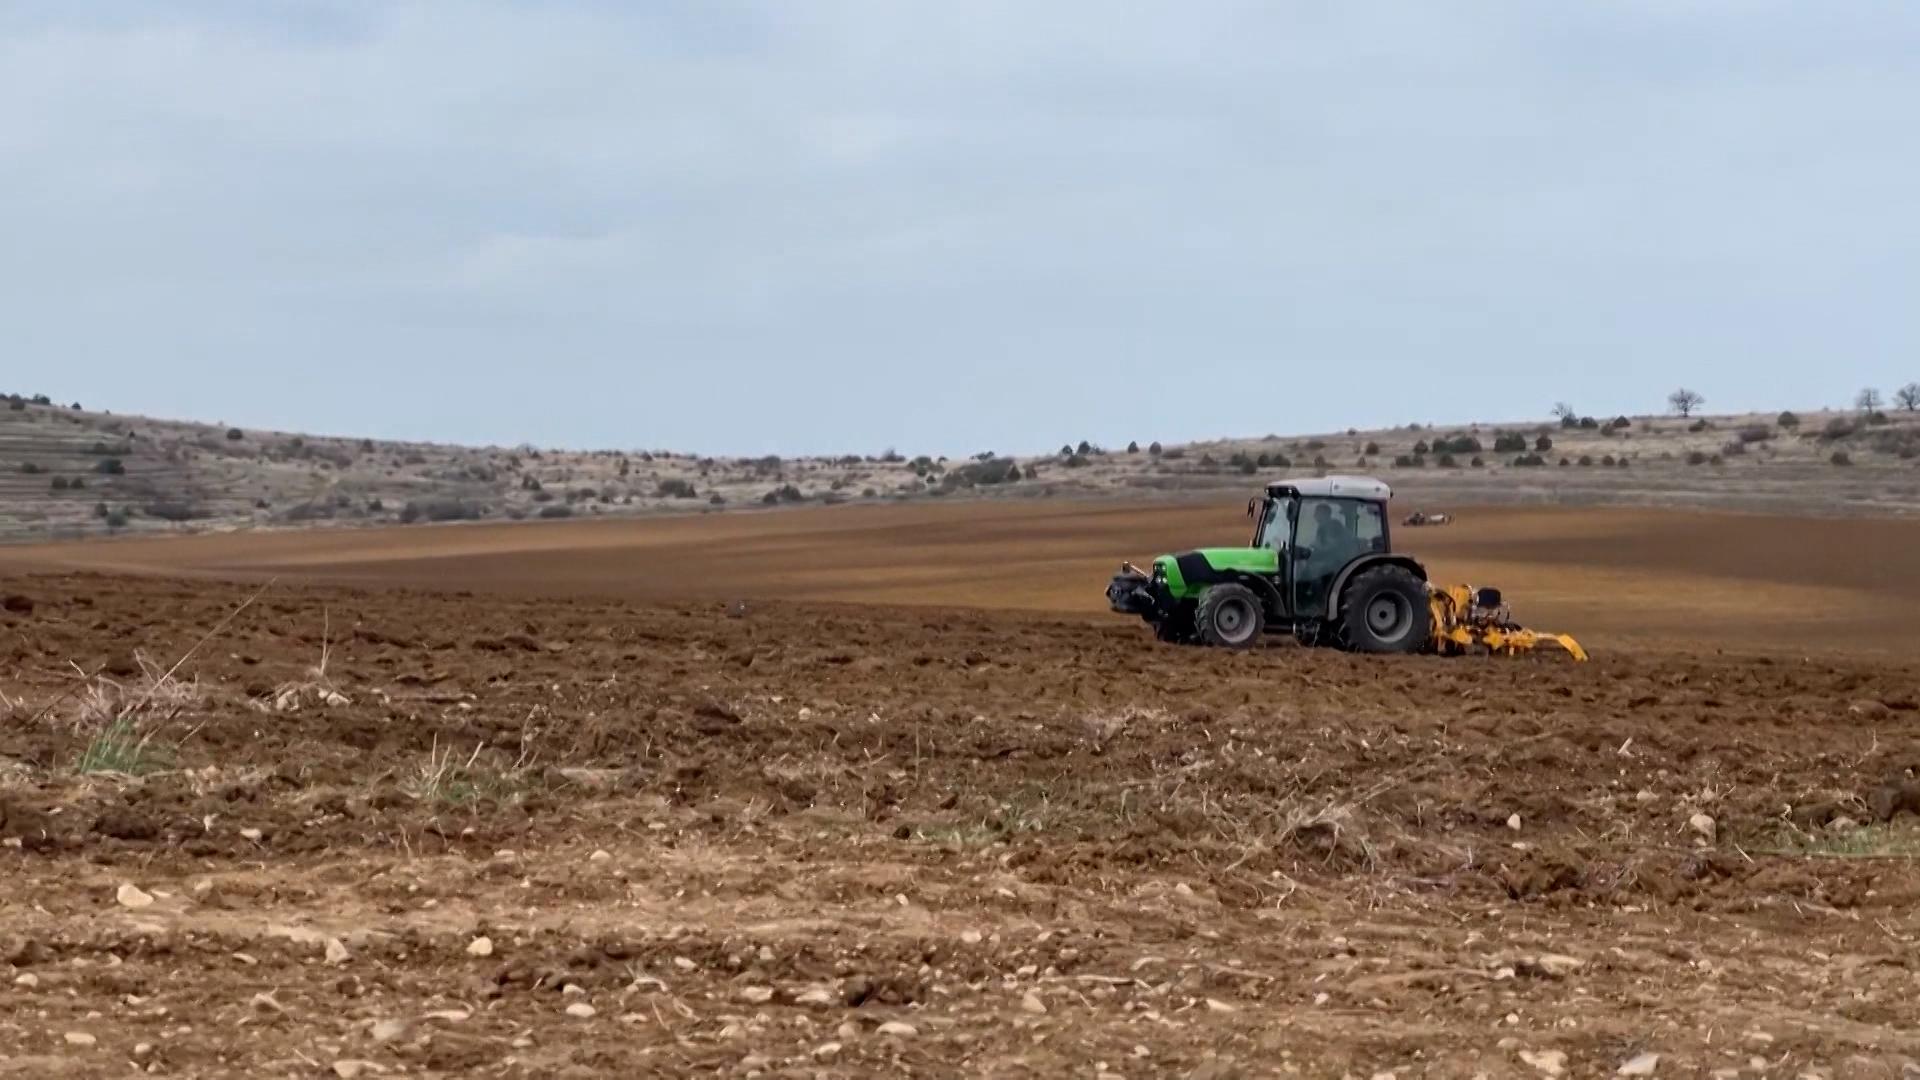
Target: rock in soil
1549,1062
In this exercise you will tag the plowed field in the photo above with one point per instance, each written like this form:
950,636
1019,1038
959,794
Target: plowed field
883,792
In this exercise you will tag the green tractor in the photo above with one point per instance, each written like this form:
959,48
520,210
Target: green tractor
1321,566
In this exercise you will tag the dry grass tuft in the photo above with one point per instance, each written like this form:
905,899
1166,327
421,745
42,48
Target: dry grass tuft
446,779
123,722
317,688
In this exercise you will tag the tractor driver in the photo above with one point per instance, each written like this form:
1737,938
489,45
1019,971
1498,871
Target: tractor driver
1331,540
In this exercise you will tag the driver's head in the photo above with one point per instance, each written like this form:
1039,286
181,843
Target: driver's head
1323,513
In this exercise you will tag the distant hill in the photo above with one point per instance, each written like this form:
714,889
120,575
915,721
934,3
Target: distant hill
66,472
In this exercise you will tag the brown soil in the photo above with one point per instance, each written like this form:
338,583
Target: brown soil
1612,576
750,826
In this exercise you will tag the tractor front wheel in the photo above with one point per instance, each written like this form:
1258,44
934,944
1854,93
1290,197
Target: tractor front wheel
1229,617
1384,610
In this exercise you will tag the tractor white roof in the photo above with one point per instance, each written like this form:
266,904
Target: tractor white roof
1336,487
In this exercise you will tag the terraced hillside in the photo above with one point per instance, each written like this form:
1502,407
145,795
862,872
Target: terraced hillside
68,472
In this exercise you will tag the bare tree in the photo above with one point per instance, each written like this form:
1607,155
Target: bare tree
1563,411
1868,400
1684,401
1908,396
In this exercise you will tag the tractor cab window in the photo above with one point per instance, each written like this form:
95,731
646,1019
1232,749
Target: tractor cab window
1276,522
1332,533
1370,527
1328,529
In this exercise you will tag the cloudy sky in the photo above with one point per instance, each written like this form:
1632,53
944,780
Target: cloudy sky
808,225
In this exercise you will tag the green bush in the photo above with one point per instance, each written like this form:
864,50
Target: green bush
112,466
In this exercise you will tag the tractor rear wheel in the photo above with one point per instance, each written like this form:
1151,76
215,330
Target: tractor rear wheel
1384,610
1229,617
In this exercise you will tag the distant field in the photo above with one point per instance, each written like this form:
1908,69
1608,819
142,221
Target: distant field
1609,575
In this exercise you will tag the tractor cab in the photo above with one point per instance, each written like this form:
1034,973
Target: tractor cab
1318,527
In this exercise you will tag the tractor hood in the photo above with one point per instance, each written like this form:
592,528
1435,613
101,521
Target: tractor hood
1188,572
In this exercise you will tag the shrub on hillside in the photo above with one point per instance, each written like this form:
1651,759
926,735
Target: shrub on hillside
992,471
1840,457
112,466
175,510
675,488
785,493
1788,420
441,510
552,512
1506,443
